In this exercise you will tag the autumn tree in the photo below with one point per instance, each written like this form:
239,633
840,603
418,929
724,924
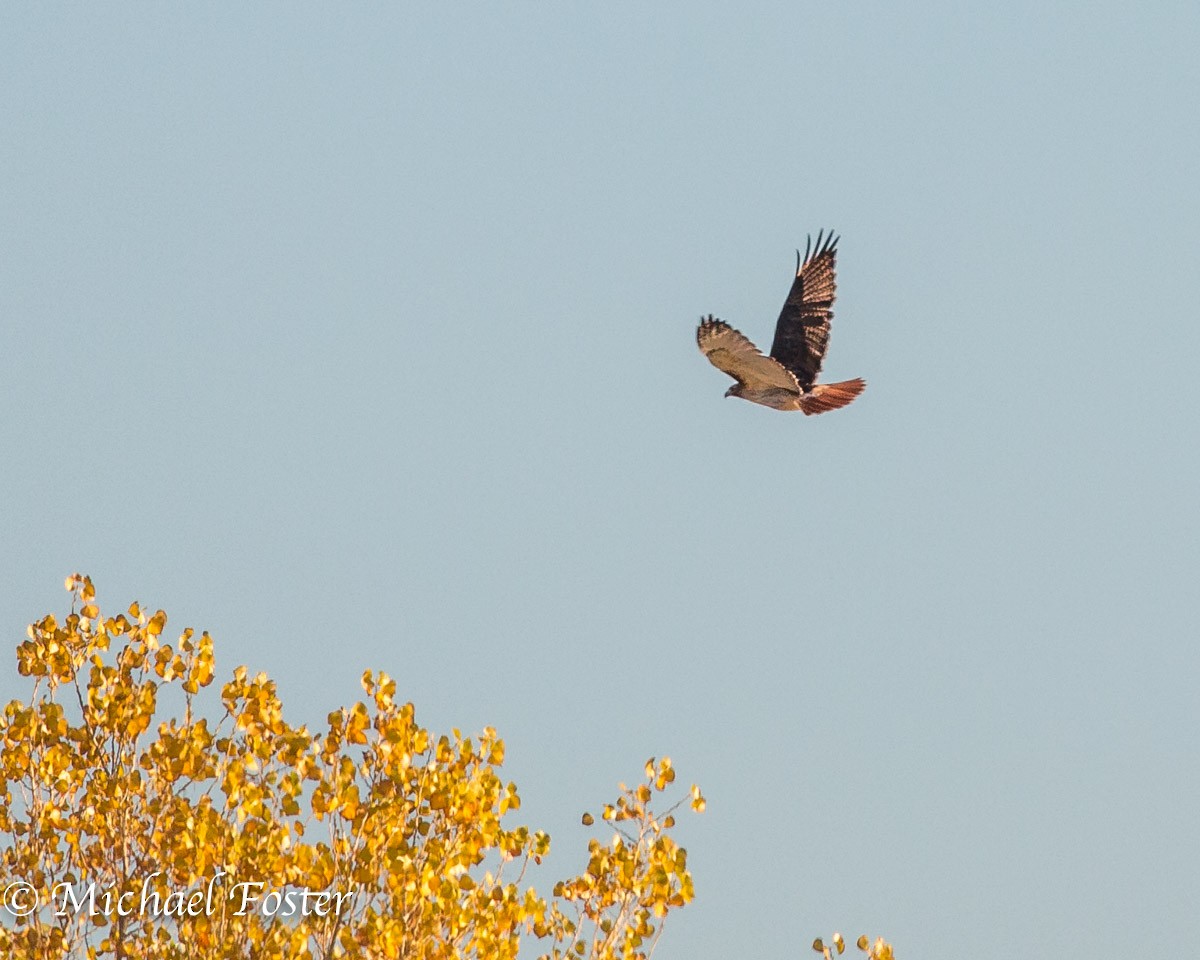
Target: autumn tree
219,830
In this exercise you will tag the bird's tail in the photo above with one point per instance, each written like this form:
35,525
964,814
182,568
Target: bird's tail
829,396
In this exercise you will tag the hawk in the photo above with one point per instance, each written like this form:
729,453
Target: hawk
787,379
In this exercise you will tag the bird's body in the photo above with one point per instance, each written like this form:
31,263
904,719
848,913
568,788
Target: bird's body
786,380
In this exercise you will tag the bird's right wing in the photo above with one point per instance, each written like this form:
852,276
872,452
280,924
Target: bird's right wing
802,332
732,353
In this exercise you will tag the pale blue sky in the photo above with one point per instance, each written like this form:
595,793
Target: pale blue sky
363,337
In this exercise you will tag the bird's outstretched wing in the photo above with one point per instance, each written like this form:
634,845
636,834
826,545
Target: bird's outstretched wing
731,352
802,331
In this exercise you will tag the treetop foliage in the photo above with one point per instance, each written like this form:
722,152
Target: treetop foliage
130,833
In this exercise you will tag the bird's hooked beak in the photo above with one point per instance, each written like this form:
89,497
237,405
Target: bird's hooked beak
732,391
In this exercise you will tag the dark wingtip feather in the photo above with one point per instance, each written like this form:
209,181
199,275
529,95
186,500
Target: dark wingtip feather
826,242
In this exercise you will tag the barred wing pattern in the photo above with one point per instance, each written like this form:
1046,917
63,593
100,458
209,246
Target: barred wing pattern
802,331
734,354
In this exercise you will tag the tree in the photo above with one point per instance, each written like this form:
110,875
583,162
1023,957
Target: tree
133,831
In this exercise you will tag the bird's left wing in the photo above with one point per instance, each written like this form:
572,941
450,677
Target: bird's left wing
802,332
733,353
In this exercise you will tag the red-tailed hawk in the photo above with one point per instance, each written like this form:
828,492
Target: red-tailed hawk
787,379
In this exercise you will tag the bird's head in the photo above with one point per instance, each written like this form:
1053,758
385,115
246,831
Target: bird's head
734,391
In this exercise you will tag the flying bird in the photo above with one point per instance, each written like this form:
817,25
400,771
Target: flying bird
787,379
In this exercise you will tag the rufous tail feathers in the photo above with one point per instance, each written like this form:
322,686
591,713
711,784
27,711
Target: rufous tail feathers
829,396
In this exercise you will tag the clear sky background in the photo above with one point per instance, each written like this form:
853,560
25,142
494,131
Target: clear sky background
363,337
